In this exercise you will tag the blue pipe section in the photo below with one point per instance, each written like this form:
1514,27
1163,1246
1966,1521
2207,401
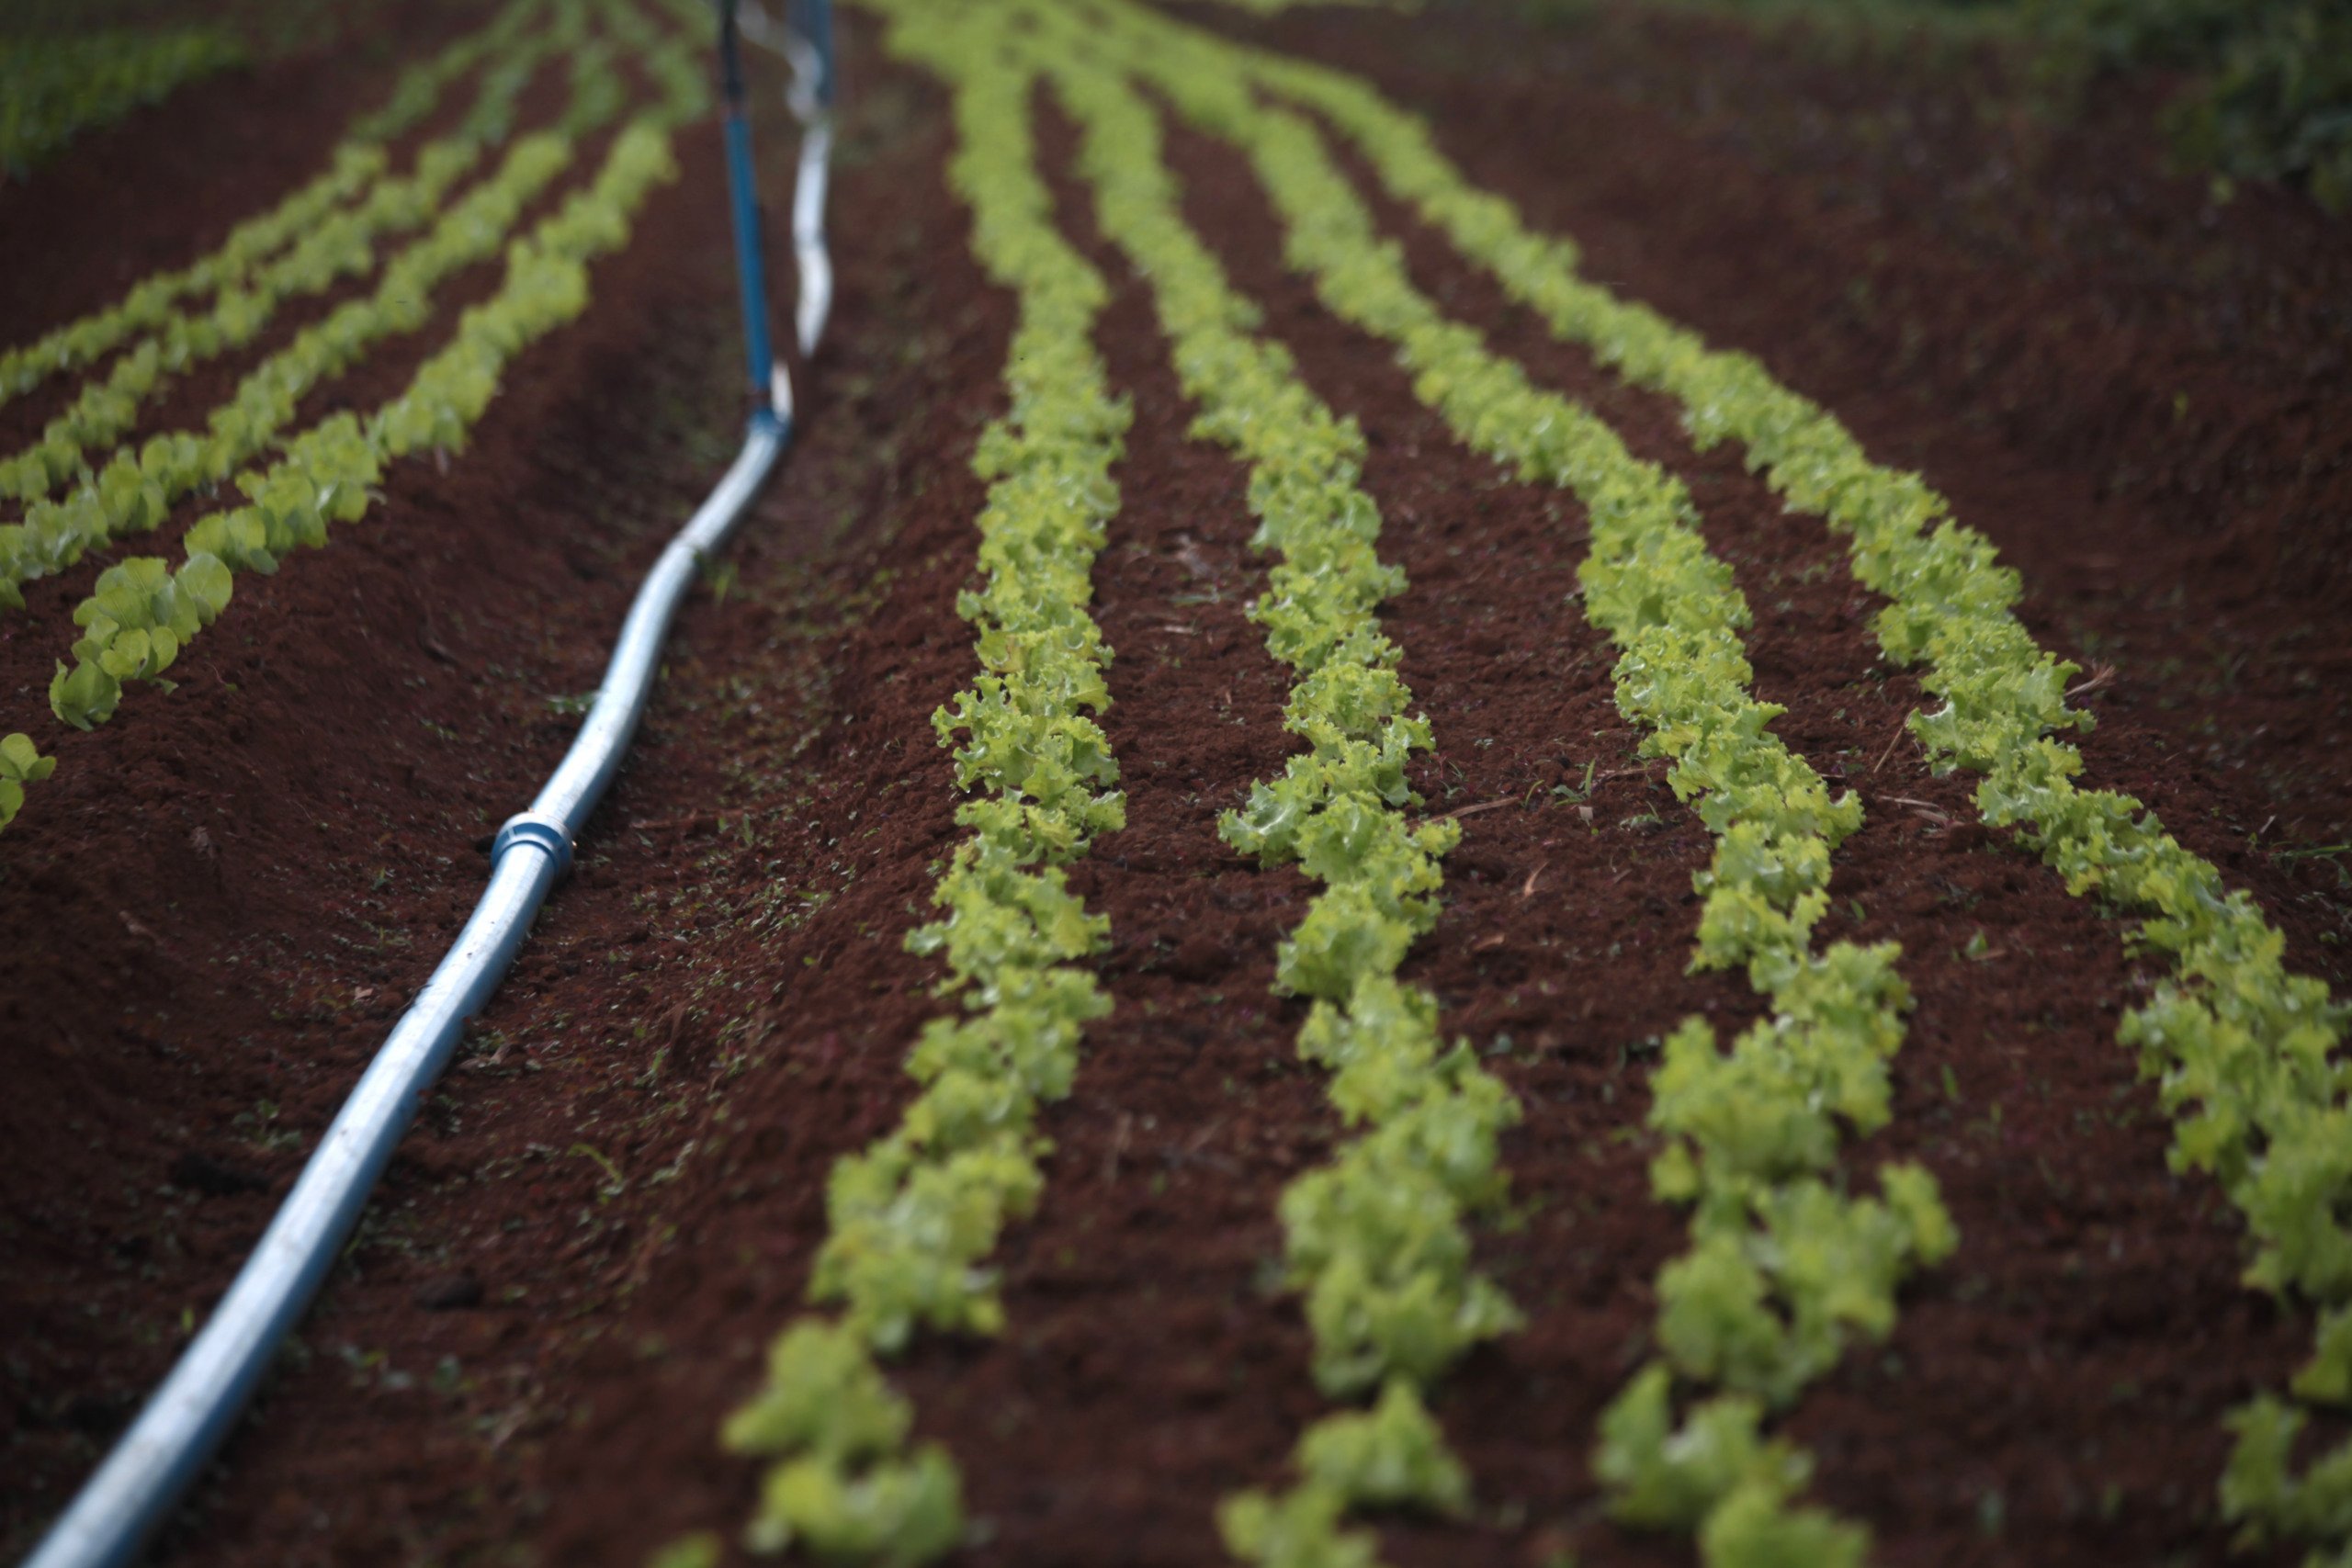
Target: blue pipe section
191,1414
806,45
743,199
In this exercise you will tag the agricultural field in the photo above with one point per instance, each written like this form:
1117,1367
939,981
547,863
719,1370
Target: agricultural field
1518,783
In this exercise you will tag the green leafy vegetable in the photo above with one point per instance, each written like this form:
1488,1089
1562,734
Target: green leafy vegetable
914,1217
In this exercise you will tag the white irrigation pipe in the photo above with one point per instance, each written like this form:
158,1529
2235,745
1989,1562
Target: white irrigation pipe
811,260
187,1417
810,96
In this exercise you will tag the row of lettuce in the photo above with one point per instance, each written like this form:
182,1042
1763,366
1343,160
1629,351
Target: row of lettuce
65,71
2244,1051
355,163
136,492
1785,1266
54,88
914,1217
341,245
327,248
1377,1241
141,611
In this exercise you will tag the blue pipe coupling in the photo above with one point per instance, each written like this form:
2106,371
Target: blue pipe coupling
550,833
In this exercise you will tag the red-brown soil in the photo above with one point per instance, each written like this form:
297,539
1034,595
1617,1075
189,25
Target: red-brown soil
211,914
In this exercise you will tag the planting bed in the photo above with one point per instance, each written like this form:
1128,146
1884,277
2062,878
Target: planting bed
628,1186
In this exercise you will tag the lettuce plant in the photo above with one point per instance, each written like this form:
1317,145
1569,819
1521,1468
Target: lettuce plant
914,1217
21,764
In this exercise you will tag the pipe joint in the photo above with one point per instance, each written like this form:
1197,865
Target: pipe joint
549,833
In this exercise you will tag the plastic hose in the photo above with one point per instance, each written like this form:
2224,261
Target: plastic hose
807,46
770,386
